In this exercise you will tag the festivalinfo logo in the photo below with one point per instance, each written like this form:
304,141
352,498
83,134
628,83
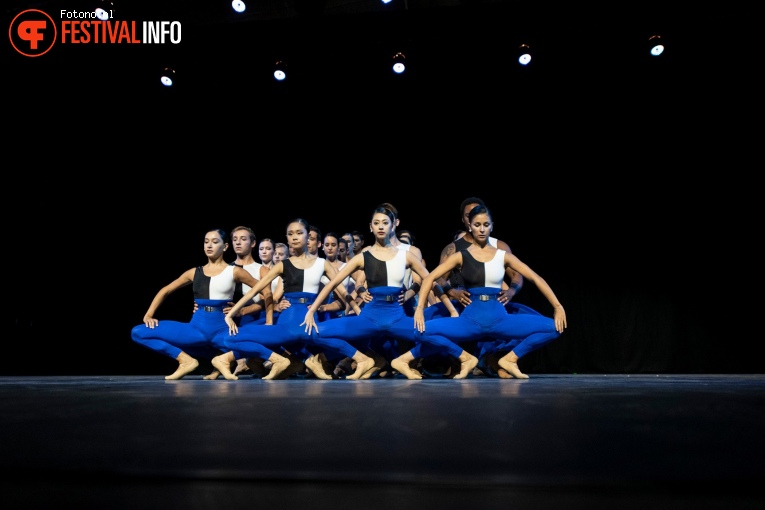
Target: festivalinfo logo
34,32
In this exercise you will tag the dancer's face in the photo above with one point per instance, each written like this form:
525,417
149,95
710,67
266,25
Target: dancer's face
297,236
480,227
214,245
266,251
330,247
381,226
242,242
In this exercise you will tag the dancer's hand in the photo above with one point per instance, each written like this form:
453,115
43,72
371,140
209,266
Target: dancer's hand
461,296
419,320
232,328
150,321
310,323
560,319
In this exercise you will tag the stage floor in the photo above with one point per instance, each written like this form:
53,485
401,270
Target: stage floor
581,441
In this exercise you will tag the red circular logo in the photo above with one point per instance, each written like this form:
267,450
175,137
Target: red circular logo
33,33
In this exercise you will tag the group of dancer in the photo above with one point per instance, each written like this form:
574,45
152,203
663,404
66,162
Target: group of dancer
396,314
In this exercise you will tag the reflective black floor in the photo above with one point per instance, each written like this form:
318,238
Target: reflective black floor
581,441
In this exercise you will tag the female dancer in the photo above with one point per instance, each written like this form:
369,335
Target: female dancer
214,285
483,268
384,266
266,252
301,276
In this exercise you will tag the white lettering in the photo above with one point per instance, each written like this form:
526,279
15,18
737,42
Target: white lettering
155,32
79,14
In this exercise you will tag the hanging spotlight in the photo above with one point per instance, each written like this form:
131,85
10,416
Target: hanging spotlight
167,77
655,45
104,10
280,70
238,6
524,54
399,63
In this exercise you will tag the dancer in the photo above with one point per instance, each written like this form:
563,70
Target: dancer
301,277
214,285
454,286
483,268
385,267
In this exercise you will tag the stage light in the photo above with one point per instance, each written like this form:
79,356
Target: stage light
239,6
280,70
167,77
524,54
104,10
655,45
399,63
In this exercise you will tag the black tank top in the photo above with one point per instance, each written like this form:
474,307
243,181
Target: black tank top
455,277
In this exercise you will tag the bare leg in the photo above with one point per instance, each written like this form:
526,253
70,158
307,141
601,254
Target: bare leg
223,364
467,363
402,365
363,364
279,365
510,363
186,365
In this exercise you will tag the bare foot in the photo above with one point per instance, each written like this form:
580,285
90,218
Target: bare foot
224,367
369,373
241,366
296,366
403,368
503,374
362,367
183,368
380,363
466,367
277,367
512,368
315,366
212,376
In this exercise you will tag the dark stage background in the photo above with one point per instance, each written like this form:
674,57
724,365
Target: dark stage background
632,190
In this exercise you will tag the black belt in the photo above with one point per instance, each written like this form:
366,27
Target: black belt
390,298
212,308
487,297
300,300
